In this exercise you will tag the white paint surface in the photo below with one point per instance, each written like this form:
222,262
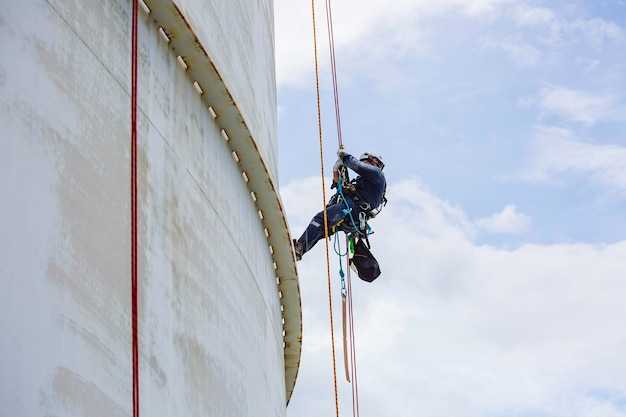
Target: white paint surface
210,321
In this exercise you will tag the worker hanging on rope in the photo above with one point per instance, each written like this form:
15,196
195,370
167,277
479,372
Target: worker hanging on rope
354,204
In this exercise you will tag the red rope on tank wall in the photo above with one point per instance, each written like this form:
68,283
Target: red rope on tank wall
133,208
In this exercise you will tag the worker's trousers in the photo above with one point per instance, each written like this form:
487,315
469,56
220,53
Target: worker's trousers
336,214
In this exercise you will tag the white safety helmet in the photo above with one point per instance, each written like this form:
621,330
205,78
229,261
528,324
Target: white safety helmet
371,154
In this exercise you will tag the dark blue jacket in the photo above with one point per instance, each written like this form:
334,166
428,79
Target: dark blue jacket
370,184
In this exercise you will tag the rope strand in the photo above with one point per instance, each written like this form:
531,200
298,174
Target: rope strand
346,298
333,64
319,122
133,199
355,383
333,67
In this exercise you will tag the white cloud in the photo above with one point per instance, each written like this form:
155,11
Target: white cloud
371,35
596,31
368,34
580,106
451,328
541,32
561,28
559,156
522,52
483,8
532,16
509,220
294,42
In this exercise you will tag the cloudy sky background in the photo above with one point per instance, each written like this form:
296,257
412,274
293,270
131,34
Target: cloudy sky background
503,248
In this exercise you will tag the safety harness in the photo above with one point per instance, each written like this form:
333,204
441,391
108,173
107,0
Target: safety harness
347,186
362,261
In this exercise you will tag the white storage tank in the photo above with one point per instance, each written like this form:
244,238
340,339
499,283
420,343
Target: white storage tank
218,307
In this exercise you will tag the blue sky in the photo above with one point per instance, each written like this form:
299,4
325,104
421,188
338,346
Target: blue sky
503,127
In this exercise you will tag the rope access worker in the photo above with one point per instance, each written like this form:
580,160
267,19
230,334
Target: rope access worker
364,197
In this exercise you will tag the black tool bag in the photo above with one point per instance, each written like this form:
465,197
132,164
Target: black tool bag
364,262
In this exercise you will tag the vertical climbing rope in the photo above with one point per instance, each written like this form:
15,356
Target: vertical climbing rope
355,383
319,123
333,67
133,208
345,297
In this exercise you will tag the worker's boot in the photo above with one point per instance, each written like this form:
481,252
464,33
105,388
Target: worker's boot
299,249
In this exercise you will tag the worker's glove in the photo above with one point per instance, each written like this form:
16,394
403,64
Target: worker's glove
341,154
338,165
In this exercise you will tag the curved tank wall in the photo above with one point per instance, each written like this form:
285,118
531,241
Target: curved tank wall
219,307
238,36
